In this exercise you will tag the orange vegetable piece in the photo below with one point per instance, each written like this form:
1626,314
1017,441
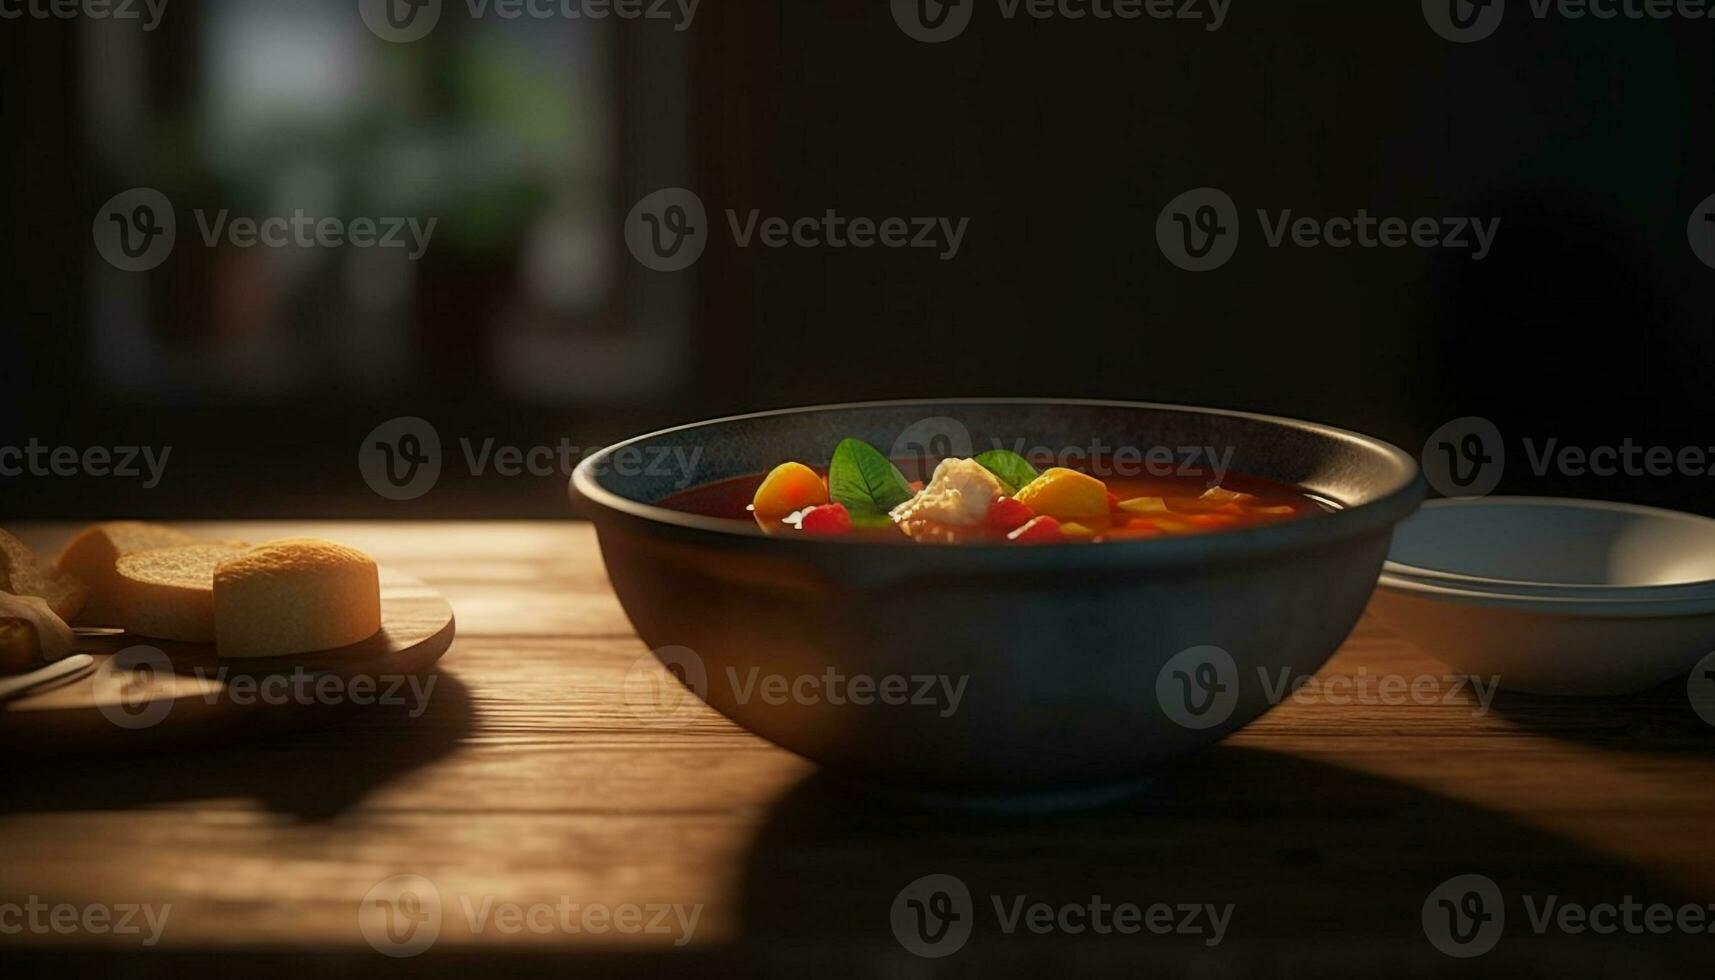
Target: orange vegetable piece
1066,494
789,488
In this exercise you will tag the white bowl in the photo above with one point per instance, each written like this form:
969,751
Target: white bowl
1550,645
1556,547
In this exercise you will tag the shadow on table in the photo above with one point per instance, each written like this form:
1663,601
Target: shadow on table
1661,719
1324,868
315,773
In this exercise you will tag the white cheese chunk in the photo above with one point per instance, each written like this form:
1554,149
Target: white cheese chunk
959,494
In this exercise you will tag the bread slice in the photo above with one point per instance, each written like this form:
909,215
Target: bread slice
168,593
92,555
21,574
298,595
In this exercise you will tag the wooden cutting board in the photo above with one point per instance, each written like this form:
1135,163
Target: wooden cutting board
146,691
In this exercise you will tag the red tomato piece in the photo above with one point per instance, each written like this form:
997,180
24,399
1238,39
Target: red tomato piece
1113,502
826,519
1038,529
1006,513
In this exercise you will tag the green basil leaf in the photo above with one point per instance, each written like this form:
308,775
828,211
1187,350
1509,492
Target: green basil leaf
869,518
865,481
1010,468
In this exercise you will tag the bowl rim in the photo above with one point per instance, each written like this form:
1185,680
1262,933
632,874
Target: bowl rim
1580,607
1573,590
1391,503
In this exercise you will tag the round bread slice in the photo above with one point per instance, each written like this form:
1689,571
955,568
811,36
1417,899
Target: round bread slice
94,553
299,595
168,593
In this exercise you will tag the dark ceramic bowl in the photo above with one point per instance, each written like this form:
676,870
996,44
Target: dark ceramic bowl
992,671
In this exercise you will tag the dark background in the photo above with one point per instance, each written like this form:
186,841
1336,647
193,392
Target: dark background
1592,321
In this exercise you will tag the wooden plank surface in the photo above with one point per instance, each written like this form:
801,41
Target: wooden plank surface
527,781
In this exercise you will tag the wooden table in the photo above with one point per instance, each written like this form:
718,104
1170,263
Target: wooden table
527,781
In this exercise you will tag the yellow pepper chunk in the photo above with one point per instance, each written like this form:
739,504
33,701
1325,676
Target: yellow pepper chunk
787,489
1066,495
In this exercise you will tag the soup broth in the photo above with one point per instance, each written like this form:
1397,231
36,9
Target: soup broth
965,501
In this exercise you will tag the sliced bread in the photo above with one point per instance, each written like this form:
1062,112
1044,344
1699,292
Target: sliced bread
168,593
94,553
298,595
21,574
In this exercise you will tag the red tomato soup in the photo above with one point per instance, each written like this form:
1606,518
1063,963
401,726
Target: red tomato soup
994,498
